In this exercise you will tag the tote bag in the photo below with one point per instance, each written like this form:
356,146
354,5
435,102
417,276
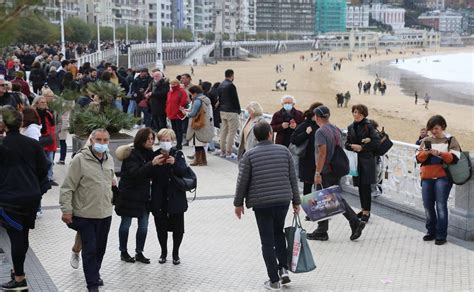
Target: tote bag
322,204
300,258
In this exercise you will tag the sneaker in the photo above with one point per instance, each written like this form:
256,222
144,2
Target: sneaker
15,286
357,230
137,127
191,156
74,261
284,277
39,214
318,236
429,237
124,256
232,156
162,259
60,162
53,183
100,282
272,286
440,241
365,218
139,257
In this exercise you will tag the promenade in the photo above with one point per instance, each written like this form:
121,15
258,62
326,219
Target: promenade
221,253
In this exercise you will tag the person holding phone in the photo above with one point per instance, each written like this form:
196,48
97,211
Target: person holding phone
435,151
168,203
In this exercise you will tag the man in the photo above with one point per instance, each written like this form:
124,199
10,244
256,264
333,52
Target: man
285,121
326,139
5,97
156,93
65,65
117,79
423,135
86,202
269,196
427,100
24,167
416,97
17,67
186,81
139,85
229,106
19,79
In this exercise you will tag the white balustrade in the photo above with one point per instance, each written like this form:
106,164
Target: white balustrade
95,58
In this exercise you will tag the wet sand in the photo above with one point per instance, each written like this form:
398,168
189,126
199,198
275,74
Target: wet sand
255,80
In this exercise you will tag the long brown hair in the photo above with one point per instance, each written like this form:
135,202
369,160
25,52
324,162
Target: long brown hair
141,137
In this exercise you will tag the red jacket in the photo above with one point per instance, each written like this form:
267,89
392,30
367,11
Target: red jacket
25,87
49,129
177,97
283,136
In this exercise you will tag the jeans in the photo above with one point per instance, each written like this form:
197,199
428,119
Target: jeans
146,116
63,151
140,237
270,222
229,126
132,107
94,234
118,104
436,191
50,156
323,226
158,122
177,126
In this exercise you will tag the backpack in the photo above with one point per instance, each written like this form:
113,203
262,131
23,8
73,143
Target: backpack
460,172
339,163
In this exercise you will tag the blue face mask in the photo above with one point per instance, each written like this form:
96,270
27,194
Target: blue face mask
288,107
101,148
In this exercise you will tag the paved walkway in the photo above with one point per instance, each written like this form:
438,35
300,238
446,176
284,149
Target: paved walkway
220,252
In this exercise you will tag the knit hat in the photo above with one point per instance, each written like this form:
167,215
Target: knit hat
322,111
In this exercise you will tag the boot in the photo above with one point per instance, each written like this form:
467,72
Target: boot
204,158
197,160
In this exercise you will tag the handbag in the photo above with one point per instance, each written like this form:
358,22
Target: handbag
322,204
298,150
187,182
46,140
300,258
460,172
199,121
353,162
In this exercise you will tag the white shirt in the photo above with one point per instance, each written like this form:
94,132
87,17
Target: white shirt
33,131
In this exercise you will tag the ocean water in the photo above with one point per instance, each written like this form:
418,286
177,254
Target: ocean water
453,67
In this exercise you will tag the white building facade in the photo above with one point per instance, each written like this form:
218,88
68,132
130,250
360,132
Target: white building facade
450,22
357,16
392,16
165,13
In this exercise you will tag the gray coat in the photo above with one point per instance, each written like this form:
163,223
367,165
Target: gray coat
206,133
250,141
266,177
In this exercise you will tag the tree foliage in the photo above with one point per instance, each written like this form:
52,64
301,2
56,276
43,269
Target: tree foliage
77,30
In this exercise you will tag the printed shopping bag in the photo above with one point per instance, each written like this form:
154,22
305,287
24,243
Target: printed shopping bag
352,156
322,204
300,258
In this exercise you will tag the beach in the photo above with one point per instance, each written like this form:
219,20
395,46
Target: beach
396,111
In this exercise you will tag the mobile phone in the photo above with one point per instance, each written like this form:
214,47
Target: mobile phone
428,145
165,154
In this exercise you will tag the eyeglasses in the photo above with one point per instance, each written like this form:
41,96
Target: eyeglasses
3,85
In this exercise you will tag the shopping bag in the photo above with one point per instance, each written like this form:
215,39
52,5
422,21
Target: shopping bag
322,204
352,156
300,258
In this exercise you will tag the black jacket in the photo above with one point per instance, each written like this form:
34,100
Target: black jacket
158,97
8,99
365,159
134,185
166,198
37,77
228,98
139,85
53,83
307,163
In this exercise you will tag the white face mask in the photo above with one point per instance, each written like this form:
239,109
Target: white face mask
165,145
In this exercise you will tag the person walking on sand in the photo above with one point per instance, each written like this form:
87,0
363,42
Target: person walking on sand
359,85
416,97
427,100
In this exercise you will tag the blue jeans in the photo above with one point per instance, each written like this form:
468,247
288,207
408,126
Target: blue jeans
118,104
141,232
50,156
436,191
132,107
146,116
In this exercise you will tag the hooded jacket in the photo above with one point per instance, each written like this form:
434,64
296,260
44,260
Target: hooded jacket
87,189
177,97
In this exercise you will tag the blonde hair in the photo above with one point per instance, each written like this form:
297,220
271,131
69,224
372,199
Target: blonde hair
255,108
34,104
166,133
175,82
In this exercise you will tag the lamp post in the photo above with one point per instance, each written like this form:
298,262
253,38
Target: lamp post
61,20
126,31
113,31
97,11
146,27
159,46
172,33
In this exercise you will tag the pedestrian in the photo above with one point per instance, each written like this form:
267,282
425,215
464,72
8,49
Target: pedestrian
229,106
382,87
359,85
157,94
363,139
347,97
24,167
137,89
285,121
136,173
423,135
5,97
168,202
86,202
416,97
269,196
435,151
176,98
427,100
63,125
31,123
247,138
327,137
340,99
37,77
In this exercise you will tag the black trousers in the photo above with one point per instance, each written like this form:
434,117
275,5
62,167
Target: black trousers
158,122
19,246
365,196
323,226
271,222
177,126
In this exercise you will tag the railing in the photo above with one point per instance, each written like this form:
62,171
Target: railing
95,58
144,55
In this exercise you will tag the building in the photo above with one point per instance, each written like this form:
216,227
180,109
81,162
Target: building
330,16
395,17
178,14
247,17
286,16
430,4
357,16
165,13
71,8
446,21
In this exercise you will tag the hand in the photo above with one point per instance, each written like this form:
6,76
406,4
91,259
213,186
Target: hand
293,125
171,160
114,182
296,209
309,130
318,180
67,218
434,152
239,211
356,148
148,95
285,125
158,160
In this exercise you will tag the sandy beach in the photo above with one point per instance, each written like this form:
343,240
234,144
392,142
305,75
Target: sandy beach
402,119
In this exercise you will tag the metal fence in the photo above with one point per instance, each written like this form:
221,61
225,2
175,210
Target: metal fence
109,55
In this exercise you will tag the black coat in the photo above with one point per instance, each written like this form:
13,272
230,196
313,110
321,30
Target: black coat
366,162
165,197
283,136
134,185
158,97
307,163
228,97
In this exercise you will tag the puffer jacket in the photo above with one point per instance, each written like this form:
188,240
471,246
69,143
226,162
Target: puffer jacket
177,97
267,177
87,189
206,133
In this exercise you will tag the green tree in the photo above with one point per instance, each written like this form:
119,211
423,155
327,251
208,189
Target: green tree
35,29
77,30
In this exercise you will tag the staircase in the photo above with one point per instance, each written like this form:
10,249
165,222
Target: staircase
198,55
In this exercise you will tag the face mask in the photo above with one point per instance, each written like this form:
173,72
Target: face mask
101,148
166,146
288,107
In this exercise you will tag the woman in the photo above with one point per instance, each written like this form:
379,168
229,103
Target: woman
52,81
307,163
199,137
168,203
136,173
436,150
247,138
63,125
176,99
31,123
48,132
363,139
37,77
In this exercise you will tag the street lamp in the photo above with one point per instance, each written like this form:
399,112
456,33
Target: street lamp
126,31
97,10
61,16
159,46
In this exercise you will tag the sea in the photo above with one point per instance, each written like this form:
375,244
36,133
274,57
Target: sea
447,77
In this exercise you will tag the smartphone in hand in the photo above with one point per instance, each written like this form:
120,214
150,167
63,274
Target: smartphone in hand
427,145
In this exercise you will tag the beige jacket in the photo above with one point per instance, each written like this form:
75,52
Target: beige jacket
87,189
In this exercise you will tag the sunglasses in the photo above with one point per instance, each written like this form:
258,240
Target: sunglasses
3,85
